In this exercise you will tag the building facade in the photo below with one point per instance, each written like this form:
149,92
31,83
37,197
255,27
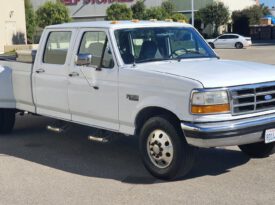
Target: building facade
184,6
12,23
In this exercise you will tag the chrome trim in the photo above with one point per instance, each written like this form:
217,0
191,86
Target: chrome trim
253,87
229,125
230,141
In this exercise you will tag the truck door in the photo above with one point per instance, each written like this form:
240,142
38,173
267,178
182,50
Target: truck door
93,88
50,74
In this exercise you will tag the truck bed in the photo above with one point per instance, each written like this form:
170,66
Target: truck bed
16,84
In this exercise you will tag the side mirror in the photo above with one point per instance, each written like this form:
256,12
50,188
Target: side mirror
83,59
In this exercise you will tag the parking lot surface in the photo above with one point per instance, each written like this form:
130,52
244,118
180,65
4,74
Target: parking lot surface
41,167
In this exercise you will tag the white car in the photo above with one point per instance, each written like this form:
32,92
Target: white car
230,41
159,81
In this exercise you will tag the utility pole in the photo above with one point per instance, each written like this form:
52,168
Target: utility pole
193,15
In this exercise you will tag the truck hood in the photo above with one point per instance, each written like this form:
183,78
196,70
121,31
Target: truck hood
216,73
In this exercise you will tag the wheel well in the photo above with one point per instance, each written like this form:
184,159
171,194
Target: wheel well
149,112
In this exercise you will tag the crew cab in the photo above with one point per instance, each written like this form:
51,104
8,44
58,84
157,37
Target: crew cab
159,81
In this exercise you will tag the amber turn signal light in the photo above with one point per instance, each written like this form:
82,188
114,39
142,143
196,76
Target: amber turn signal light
208,109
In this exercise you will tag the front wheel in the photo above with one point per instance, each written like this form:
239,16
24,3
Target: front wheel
7,120
164,150
258,150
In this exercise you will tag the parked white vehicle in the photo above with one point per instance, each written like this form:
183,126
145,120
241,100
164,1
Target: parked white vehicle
159,81
230,40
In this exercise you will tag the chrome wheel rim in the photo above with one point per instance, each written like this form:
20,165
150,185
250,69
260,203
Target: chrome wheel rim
160,149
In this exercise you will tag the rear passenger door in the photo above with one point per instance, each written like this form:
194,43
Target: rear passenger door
221,41
50,74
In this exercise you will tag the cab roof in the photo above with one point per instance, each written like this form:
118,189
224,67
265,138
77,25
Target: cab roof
118,24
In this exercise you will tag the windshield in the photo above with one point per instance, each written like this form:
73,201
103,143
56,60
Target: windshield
140,45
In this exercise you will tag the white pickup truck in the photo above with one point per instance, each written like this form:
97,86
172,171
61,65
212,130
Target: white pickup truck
159,81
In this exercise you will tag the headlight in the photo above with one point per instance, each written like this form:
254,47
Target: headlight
207,102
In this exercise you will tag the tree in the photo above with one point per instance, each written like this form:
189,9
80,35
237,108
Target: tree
156,13
215,14
139,9
249,16
119,12
30,21
265,10
179,17
168,6
52,13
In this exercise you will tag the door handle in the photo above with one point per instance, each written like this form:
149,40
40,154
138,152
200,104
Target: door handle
74,74
40,71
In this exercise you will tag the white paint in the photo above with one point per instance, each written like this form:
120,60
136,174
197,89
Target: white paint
165,84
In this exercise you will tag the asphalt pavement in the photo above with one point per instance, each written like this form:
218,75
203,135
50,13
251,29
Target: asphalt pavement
41,167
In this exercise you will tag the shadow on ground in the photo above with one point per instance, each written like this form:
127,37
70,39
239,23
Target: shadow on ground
118,160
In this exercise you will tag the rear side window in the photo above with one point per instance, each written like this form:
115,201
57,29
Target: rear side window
57,47
223,37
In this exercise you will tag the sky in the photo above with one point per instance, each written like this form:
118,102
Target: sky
269,3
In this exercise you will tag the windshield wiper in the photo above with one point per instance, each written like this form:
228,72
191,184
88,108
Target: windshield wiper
153,60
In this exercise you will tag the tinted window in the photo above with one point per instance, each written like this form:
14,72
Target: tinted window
234,36
57,47
96,44
223,37
161,43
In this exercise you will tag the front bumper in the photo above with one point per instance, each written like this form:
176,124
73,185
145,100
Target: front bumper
228,133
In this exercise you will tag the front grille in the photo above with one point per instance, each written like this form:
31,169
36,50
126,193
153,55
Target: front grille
252,98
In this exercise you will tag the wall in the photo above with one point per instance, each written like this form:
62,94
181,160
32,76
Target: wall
238,4
83,10
12,23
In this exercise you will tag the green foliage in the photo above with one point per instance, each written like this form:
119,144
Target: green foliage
156,13
179,17
216,14
139,9
119,12
168,6
52,13
249,16
30,21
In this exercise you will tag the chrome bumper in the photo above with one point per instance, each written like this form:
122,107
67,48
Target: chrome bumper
235,132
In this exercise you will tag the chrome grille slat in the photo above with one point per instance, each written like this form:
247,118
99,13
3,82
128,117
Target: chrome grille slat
252,98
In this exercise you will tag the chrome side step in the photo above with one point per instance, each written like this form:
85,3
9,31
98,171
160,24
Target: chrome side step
58,126
98,139
54,129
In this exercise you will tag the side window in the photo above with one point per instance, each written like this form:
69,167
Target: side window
96,44
57,47
223,37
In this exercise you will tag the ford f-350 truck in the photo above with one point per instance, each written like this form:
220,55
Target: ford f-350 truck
156,80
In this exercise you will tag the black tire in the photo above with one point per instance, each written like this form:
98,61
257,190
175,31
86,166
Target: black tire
7,120
258,150
212,45
183,155
239,45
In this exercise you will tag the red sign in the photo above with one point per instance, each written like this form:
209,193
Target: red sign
75,2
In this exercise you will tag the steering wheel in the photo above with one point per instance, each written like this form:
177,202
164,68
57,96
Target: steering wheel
181,50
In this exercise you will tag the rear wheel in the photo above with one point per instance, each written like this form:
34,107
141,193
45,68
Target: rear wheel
164,150
212,45
238,45
7,120
258,150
